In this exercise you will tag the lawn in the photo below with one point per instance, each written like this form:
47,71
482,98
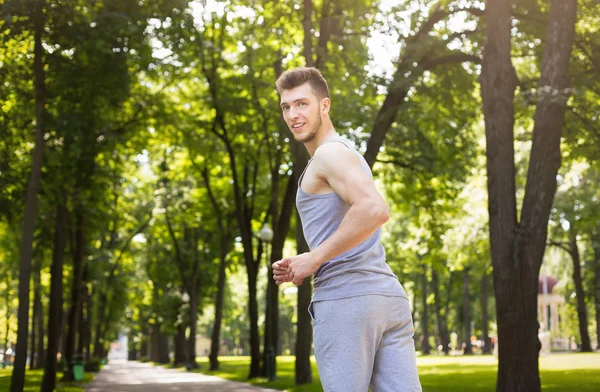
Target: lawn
559,373
33,379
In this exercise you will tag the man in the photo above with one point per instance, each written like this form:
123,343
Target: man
362,325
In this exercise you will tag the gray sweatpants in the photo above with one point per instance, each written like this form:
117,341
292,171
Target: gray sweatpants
365,341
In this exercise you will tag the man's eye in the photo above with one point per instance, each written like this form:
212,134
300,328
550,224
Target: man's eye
301,104
285,108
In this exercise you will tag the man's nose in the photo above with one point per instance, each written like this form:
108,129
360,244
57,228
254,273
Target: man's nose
293,114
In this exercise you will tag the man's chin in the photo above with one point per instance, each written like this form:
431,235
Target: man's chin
304,138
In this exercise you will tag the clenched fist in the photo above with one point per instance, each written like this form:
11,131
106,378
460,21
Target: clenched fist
294,269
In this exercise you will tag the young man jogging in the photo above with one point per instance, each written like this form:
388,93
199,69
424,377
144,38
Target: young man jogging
362,325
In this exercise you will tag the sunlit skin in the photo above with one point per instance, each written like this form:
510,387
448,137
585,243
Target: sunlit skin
334,168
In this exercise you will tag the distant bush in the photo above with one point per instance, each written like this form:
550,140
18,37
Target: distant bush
92,365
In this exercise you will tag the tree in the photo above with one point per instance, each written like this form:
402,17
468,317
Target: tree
517,246
56,290
422,51
18,376
573,222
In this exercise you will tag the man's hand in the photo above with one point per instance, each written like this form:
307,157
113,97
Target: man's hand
294,269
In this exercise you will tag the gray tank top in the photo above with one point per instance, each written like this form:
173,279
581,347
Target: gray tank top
360,271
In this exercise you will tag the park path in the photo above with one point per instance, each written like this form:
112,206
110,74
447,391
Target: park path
126,376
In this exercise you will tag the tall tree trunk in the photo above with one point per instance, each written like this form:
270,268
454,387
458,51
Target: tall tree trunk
99,319
304,331
163,348
596,246
281,225
517,248
582,317
244,217
154,342
253,313
467,313
55,312
442,327
132,349
88,330
498,83
487,342
179,346
426,349
76,294
41,353
191,349
300,158
35,178
144,346
224,248
271,336
84,317
36,331
8,312
215,342
303,326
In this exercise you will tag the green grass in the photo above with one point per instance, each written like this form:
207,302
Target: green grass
559,373
33,380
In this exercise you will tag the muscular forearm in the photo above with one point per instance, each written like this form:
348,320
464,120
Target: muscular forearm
360,222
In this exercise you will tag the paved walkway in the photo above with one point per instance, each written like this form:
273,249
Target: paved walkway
124,376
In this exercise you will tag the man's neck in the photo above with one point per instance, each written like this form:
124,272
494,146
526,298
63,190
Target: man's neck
321,137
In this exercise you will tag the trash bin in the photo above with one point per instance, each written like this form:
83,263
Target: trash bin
78,368
78,371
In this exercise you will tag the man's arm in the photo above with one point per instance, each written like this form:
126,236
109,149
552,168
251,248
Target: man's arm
341,169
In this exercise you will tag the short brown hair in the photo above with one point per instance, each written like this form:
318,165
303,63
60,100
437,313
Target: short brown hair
298,76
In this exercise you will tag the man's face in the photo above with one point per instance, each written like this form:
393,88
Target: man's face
302,112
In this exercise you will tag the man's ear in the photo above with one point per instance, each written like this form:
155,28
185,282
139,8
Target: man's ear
326,105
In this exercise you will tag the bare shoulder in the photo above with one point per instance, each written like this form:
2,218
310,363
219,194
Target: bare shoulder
335,156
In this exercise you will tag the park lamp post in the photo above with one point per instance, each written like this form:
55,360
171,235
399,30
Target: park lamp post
266,236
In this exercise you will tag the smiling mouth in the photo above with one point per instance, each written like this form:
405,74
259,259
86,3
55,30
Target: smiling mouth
298,126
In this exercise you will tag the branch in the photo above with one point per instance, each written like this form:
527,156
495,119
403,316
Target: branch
138,231
307,26
461,35
196,266
449,289
397,163
329,26
287,208
450,59
587,54
440,14
589,127
562,245
253,189
177,252
211,195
